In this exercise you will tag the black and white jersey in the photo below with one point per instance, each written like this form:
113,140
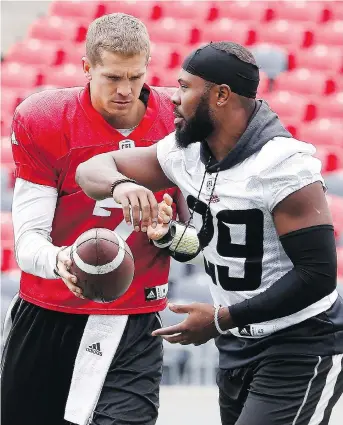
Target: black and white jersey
242,251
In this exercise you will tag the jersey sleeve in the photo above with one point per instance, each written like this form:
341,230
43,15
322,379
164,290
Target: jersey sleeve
34,146
290,175
166,155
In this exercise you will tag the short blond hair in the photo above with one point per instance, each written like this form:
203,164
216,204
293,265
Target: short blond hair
117,33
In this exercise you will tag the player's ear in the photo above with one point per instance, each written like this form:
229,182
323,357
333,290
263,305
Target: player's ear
223,94
86,67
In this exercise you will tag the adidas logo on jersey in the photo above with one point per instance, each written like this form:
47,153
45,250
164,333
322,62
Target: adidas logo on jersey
151,295
95,349
156,293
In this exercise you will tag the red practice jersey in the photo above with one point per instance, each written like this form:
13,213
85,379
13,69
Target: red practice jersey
56,130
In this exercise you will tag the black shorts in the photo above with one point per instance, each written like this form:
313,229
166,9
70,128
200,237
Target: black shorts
38,363
281,390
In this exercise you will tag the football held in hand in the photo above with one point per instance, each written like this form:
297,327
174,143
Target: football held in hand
103,264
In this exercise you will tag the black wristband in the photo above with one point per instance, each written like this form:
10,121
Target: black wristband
117,182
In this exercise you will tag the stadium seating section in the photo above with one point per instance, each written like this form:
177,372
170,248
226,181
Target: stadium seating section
298,47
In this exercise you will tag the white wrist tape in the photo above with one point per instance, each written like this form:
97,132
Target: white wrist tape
182,241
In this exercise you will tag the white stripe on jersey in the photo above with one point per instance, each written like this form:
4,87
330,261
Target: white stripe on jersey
328,390
307,391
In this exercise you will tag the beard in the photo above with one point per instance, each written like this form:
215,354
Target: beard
197,128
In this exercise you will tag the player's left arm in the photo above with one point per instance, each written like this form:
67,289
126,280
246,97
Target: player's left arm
303,222
302,209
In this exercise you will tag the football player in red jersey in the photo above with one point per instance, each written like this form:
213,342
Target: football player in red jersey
53,329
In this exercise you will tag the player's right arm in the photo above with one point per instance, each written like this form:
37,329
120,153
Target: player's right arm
97,175
147,167
33,209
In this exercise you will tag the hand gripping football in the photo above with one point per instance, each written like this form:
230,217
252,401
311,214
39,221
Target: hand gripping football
103,264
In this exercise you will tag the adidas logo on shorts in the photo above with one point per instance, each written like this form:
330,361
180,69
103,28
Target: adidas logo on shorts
95,349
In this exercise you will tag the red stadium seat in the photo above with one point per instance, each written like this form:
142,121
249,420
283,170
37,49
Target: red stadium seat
319,57
165,56
10,99
291,124
336,207
35,52
304,81
337,10
77,9
6,151
6,122
7,163
161,78
331,33
304,11
285,33
144,10
192,10
7,256
19,76
6,226
340,262
227,29
290,106
73,53
65,76
338,81
263,87
8,261
331,157
330,106
169,30
256,11
57,28
322,132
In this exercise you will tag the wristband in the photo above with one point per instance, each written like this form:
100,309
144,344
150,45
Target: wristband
117,182
181,241
216,321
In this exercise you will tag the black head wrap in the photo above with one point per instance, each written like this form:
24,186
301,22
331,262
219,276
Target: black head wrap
220,67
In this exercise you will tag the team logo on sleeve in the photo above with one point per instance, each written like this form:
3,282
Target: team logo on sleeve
126,144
